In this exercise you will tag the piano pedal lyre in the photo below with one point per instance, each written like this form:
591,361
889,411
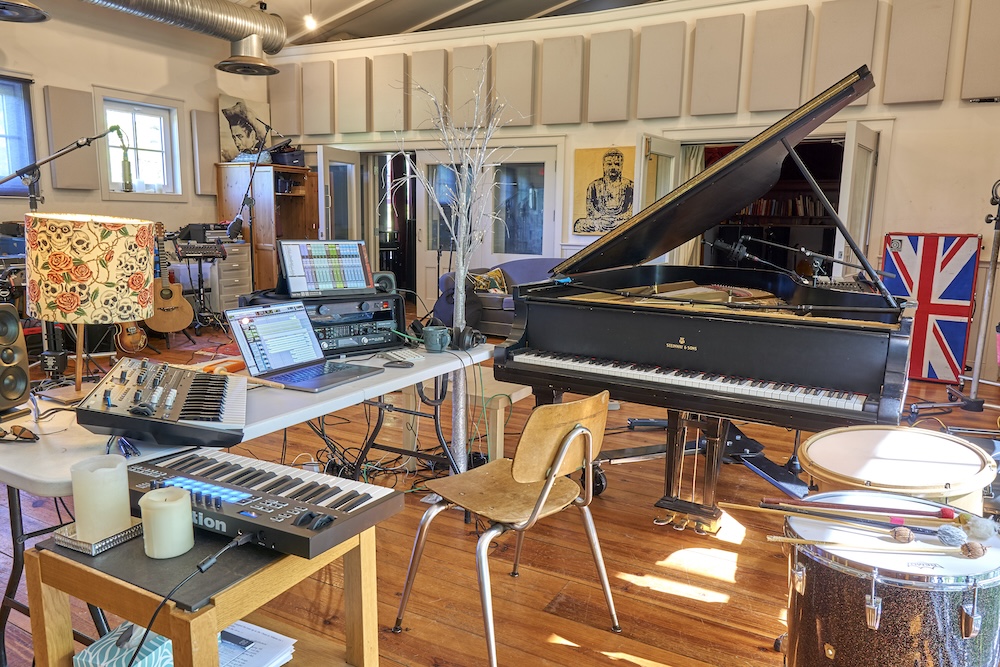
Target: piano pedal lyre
704,516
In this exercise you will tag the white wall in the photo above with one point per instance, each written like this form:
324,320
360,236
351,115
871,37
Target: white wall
82,46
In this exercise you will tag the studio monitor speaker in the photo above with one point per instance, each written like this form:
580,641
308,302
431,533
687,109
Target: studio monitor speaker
385,282
14,381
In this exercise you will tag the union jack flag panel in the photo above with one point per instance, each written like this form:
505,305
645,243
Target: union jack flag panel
938,271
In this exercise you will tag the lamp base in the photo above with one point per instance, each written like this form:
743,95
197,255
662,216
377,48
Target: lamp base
68,395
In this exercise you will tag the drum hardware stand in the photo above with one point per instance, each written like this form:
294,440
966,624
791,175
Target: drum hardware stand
972,402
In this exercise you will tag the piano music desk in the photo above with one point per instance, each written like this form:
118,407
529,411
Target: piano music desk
53,578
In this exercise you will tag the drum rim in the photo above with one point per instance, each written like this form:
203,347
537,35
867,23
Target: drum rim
823,555
977,482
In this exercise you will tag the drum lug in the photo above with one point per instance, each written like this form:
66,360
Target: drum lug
873,605
972,620
799,578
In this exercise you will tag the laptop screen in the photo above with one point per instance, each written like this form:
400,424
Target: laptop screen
274,337
325,268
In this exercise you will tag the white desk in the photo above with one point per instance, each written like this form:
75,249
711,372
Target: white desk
43,467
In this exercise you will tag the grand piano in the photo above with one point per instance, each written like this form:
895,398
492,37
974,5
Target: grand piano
755,344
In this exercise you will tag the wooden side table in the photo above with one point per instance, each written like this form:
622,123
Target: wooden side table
493,397
53,578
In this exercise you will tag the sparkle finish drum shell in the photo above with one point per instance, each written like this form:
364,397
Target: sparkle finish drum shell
907,461
878,602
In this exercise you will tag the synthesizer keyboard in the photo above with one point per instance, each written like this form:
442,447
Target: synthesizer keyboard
159,403
287,509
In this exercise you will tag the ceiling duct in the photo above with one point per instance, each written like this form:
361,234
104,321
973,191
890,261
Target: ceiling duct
251,31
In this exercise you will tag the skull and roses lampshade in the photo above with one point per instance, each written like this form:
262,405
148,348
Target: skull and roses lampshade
88,269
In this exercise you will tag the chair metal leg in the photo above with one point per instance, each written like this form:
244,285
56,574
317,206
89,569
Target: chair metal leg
485,590
602,572
418,550
517,553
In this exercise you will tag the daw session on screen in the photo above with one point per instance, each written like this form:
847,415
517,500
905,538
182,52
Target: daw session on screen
325,268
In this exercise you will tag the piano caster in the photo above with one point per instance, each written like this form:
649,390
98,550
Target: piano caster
600,479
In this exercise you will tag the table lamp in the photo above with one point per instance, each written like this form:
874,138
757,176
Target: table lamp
87,269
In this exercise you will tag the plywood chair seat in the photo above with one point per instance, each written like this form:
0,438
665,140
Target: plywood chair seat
492,492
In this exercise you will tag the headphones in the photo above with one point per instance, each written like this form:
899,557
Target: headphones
467,338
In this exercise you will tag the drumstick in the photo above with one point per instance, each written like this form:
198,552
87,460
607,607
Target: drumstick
840,510
867,524
969,549
942,513
252,380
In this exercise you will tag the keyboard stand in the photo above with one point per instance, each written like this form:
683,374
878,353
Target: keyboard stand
203,315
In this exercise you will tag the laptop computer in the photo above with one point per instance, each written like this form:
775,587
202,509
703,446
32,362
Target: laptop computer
278,343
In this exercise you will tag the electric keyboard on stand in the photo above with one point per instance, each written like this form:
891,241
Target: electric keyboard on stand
759,344
286,509
159,403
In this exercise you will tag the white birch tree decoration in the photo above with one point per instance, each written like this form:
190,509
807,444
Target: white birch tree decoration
466,208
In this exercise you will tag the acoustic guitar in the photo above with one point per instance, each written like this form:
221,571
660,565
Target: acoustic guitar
130,337
171,311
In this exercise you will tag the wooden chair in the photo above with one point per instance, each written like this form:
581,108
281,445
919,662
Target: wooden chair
513,494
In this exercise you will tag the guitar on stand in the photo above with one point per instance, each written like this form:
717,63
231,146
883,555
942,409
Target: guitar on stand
130,338
171,311
204,316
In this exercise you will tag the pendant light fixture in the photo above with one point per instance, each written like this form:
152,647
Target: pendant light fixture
309,19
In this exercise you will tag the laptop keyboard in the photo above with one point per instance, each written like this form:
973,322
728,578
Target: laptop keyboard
310,372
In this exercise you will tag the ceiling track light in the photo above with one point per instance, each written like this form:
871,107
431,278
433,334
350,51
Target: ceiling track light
21,11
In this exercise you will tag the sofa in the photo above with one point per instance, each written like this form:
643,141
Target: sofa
489,305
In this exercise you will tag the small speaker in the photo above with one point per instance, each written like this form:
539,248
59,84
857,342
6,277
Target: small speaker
14,381
385,282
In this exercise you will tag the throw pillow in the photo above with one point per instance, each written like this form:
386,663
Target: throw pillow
491,281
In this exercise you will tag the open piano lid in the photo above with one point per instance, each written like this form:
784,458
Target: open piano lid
718,192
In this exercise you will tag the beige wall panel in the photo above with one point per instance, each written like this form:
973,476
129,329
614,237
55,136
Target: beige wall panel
661,70
317,97
610,76
388,93
982,73
69,115
845,41
353,95
514,74
715,72
205,142
562,80
428,70
285,97
919,39
779,42
470,77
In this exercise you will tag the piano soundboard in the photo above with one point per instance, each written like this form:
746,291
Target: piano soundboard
287,509
159,403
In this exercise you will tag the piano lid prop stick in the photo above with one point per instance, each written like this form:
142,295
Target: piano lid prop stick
969,549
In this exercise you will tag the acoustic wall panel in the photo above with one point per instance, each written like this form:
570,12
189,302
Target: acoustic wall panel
284,92
388,94
562,80
919,39
661,70
514,75
779,42
845,41
982,76
317,97
610,76
353,95
428,82
715,72
470,79
205,141
69,115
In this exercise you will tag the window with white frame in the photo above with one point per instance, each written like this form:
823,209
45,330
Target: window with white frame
147,149
17,139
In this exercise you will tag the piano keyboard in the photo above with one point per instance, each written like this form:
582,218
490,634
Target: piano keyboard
163,404
713,383
288,509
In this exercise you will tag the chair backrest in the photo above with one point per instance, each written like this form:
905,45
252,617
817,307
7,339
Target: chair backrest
544,432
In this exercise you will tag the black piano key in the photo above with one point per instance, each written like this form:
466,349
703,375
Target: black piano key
322,488
304,491
187,460
239,478
356,503
348,497
260,476
290,484
269,488
333,491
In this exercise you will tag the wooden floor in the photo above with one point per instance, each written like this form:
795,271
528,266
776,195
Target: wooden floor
683,599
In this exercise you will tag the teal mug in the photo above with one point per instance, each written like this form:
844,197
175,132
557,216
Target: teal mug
436,339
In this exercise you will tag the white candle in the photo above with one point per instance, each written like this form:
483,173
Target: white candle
166,522
100,497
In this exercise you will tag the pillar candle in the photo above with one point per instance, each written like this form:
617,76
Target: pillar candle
167,530
100,497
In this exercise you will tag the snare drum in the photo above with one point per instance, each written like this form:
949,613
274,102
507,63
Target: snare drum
888,608
908,461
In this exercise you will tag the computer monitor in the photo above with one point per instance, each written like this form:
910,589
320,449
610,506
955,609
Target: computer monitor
325,268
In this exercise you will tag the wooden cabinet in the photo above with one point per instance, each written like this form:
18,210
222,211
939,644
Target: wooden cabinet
285,206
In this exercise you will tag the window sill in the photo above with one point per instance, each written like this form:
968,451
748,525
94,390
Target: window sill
115,195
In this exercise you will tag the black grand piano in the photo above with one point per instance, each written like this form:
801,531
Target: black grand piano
754,344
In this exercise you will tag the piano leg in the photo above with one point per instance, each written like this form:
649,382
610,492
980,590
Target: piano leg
546,396
703,516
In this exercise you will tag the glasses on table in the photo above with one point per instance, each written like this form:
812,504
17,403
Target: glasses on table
17,433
